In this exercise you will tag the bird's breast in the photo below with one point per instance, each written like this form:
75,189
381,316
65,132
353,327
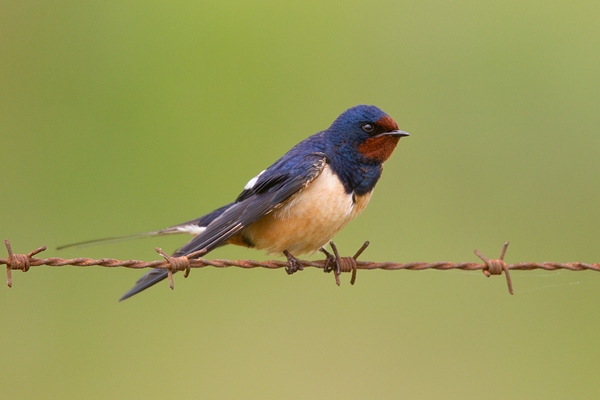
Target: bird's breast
308,220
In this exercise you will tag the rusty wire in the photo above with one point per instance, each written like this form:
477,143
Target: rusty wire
333,263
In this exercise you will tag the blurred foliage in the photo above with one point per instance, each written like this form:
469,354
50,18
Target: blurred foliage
124,116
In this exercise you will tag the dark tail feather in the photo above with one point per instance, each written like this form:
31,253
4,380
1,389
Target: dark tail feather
112,239
157,275
154,276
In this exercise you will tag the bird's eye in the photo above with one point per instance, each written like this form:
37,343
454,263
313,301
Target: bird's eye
368,128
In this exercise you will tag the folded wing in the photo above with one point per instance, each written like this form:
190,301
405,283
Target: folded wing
271,189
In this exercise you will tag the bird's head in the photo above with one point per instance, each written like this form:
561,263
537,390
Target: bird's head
367,130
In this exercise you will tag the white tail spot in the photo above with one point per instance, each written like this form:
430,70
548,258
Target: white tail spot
191,229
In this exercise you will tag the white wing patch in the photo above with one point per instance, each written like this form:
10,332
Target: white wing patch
191,229
252,181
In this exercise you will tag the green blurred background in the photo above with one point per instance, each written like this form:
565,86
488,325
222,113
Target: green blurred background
125,116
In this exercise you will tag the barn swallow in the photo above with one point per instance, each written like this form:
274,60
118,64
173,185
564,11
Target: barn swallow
300,202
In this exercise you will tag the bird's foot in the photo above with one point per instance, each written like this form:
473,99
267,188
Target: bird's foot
294,263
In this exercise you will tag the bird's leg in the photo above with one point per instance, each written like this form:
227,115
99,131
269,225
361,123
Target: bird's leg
294,263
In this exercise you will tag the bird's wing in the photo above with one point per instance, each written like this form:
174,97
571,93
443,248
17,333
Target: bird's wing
270,189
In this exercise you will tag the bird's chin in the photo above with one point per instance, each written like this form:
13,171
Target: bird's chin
379,148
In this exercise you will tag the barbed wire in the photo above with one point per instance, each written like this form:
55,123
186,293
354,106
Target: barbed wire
333,263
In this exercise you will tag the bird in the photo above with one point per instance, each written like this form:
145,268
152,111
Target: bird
302,200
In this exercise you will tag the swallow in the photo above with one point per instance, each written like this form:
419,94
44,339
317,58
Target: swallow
299,203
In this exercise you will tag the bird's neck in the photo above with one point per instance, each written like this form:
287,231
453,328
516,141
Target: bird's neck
358,177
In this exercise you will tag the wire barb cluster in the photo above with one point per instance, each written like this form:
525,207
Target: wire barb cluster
175,264
333,263
495,267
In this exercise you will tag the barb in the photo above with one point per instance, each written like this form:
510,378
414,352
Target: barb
178,263
495,267
18,261
489,267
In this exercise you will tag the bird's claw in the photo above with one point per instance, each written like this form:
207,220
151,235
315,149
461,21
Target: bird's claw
294,264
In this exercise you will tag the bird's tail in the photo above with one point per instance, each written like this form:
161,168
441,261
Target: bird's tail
149,279
193,227
155,275
113,239
183,228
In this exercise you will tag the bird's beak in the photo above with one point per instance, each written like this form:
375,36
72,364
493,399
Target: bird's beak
396,133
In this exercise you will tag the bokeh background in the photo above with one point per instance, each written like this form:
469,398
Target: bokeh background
123,116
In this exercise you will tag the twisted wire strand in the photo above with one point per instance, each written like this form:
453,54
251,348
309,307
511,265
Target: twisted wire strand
350,264
275,264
